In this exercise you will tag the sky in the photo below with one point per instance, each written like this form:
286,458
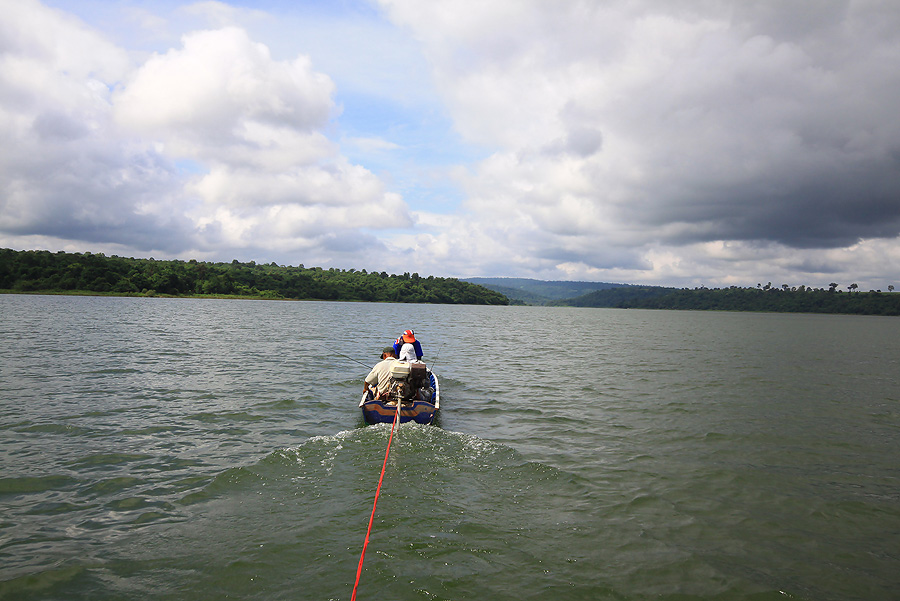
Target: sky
660,142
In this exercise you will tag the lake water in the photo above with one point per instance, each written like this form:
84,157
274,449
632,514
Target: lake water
212,449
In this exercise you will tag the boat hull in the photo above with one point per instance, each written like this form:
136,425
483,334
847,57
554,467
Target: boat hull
421,412
377,412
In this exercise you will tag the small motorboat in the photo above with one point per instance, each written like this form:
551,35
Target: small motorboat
413,387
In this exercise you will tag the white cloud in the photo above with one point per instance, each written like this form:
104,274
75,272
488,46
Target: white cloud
218,87
101,140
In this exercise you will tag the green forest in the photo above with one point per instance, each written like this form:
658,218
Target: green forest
95,273
801,299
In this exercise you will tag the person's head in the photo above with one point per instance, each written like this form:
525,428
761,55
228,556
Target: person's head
388,351
408,336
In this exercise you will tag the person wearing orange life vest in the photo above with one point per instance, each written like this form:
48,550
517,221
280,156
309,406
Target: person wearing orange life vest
407,347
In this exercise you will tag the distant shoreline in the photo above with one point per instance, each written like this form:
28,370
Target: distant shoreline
186,296
660,306
82,274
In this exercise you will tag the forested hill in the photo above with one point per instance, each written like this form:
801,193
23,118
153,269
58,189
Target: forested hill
770,299
43,271
541,292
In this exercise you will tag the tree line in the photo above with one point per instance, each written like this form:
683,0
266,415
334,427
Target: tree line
73,273
801,299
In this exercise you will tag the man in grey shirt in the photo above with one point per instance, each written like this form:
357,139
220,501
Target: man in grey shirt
380,376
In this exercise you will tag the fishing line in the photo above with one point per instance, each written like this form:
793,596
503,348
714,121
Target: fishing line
375,504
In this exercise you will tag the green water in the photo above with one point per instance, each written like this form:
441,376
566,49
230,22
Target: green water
205,449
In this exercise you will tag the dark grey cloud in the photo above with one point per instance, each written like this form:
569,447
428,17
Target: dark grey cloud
90,195
668,136
780,127
829,209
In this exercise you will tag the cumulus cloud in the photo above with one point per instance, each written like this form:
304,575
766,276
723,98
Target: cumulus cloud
218,88
257,124
208,148
59,175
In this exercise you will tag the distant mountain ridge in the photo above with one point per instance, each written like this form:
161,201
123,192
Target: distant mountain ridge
542,292
785,299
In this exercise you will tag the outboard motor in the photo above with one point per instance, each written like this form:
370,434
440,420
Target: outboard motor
408,382
401,389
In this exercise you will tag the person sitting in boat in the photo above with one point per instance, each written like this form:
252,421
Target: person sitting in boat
380,376
407,348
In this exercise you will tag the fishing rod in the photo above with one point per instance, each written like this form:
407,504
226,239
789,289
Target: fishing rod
355,360
437,355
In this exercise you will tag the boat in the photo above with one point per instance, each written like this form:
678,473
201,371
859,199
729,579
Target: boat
418,394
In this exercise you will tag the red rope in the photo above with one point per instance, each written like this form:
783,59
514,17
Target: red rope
375,504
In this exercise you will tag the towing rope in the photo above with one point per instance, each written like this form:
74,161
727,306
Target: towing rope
375,504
